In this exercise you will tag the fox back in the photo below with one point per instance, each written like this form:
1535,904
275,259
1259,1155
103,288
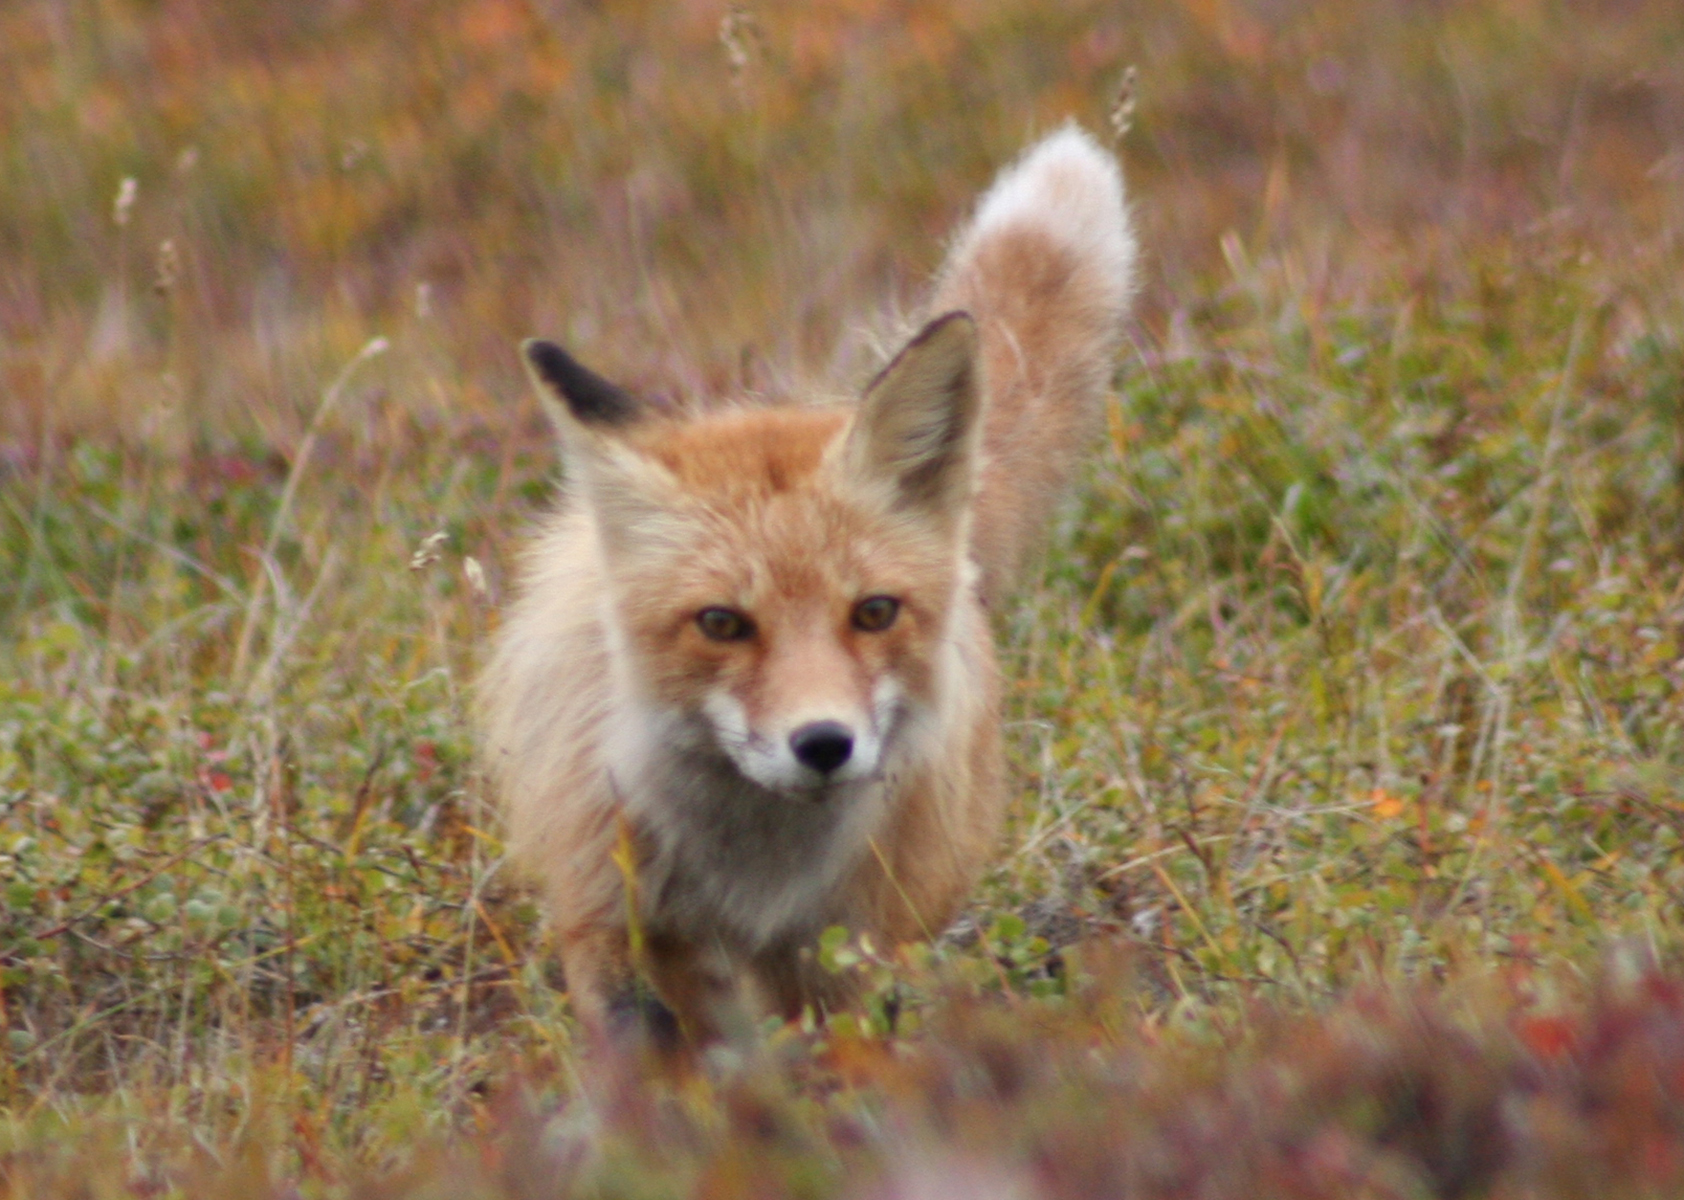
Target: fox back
747,688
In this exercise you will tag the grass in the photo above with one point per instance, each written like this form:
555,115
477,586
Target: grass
1347,711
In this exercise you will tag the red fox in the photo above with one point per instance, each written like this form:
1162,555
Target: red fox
747,688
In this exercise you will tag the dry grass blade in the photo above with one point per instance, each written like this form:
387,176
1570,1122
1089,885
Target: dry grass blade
289,491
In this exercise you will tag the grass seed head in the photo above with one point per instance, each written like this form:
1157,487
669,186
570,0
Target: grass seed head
1121,115
429,551
168,268
125,200
739,33
475,575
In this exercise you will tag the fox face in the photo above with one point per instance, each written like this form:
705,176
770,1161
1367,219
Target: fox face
794,633
780,580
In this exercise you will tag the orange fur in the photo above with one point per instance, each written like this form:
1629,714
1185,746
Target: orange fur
752,648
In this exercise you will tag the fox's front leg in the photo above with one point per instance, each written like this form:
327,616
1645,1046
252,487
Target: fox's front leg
702,986
791,980
612,1001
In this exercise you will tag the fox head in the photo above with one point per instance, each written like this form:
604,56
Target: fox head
780,580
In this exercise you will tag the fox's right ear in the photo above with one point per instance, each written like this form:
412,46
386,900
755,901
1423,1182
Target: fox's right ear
574,395
629,492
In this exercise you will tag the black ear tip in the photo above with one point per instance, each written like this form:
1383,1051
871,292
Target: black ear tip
549,360
591,398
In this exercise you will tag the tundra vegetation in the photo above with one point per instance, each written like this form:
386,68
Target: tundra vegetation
1344,856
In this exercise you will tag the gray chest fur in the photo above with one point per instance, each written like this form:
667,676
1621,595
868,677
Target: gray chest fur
737,863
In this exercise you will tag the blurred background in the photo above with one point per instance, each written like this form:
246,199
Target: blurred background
671,188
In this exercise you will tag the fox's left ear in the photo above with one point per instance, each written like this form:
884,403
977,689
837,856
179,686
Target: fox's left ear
574,395
916,428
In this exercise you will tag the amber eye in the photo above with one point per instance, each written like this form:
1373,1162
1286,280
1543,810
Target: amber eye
874,614
724,624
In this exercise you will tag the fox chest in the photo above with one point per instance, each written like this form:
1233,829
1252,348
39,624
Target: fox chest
728,860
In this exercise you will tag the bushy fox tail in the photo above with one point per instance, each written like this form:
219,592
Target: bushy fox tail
1046,267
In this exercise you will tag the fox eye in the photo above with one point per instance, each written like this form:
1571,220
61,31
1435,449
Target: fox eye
724,624
874,614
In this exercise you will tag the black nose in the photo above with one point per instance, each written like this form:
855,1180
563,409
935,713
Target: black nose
822,745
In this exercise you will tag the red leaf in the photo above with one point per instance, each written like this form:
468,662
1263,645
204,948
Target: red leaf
1548,1037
